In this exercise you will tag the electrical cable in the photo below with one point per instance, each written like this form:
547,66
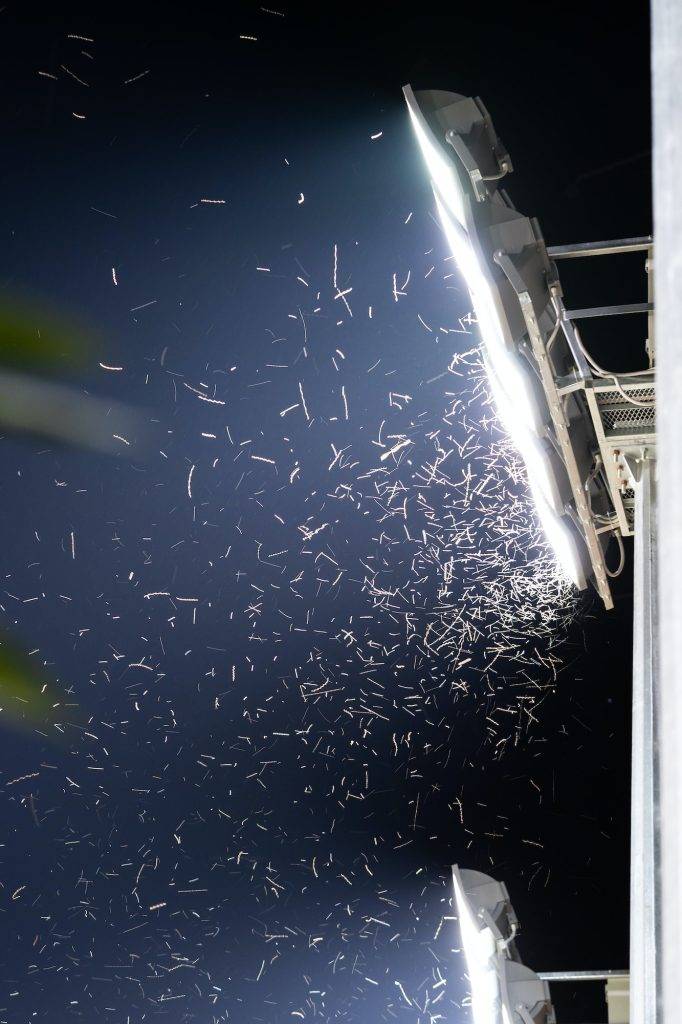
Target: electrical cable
599,370
612,574
590,477
633,401
610,520
504,169
615,377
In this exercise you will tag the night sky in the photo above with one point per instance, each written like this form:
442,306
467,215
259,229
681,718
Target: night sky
305,645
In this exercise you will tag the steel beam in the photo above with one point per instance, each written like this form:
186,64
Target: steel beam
644,847
619,310
666,65
572,252
581,975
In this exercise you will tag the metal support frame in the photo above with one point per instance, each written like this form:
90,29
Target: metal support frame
616,442
650,340
616,989
623,309
633,430
581,975
627,444
621,410
610,248
644,844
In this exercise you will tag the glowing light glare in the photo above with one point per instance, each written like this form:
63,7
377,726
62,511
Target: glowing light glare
560,539
516,417
480,951
516,402
541,479
541,476
479,289
515,412
440,169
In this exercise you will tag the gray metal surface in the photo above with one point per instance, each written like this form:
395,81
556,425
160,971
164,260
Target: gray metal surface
623,429
581,975
619,310
666,63
651,338
644,902
572,252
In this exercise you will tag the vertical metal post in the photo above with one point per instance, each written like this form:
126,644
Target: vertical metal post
666,66
644,909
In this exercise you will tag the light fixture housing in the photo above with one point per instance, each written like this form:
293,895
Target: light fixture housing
444,174
526,998
503,990
531,358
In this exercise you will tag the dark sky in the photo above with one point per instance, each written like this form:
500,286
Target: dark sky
306,643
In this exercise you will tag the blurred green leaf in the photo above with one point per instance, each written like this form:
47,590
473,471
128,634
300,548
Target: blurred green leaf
24,686
63,413
33,336
37,339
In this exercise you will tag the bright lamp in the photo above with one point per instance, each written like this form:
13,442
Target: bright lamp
441,169
561,540
503,990
522,407
474,276
480,952
515,394
520,411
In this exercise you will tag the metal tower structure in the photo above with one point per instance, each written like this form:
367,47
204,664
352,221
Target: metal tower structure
587,436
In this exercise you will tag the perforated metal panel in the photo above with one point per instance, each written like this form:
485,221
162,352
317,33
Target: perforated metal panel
624,419
620,415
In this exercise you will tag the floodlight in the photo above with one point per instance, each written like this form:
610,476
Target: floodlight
503,990
526,998
549,484
481,898
517,393
463,123
438,161
480,951
518,405
482,297
545,473
565,544
544,467
516,298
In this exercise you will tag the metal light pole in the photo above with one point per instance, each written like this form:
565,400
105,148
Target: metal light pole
666,65
644,846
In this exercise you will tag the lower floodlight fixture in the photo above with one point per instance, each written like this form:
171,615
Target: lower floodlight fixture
527,995
576,426
503,989
564,539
